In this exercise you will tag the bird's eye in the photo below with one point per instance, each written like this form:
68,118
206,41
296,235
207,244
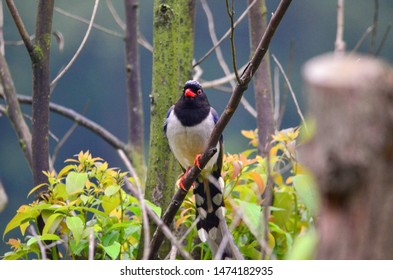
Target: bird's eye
199,92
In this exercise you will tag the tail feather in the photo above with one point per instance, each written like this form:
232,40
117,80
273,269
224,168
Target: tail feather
210,209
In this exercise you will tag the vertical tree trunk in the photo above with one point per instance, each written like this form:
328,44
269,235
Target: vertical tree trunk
351,154
172,58
135,108
262,81
41,90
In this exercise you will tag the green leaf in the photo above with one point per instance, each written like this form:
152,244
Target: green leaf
76,226
113,250
75,182
111,190
304,247
44,237
153,207
52,223
306,189
109,203
252,217
24,214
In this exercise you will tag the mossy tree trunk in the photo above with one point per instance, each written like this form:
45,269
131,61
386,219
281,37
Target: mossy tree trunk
172,64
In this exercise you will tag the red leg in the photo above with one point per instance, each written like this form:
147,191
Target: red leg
181,184
196,161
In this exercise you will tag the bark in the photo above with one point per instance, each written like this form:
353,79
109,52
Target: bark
351,154
172,60
41,90
262,81
135,108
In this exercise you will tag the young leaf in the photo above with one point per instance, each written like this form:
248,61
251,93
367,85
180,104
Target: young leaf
75,224
113,250
75,182
306,189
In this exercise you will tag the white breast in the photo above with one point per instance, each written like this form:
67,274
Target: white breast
187,142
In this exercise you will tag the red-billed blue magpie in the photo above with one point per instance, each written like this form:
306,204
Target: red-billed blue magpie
188,126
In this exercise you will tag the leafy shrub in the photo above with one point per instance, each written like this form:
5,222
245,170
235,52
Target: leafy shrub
86,210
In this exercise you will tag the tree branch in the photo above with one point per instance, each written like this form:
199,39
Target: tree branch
221,124
21,27
61,74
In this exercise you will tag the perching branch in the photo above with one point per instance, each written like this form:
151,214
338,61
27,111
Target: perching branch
230,109
340,43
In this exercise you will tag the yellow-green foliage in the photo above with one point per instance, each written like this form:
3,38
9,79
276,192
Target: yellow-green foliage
86,202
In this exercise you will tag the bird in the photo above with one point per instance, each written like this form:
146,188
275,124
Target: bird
188,126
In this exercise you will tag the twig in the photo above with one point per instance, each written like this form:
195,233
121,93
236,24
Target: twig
222,122
62,141
21,27
81,120
230,12
160,224
115,15
242,16
220,57
364,36
340,44
96,26
91,244
61,74
375,25
14,111
276,86
385,36
40,244
299,111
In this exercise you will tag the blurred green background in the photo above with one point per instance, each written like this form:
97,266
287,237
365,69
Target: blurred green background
95,84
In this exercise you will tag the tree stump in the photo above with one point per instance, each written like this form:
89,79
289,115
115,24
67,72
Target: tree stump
351,154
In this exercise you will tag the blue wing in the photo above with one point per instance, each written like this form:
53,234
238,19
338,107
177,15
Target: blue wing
166,119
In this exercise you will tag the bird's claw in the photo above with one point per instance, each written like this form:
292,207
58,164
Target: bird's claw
196,161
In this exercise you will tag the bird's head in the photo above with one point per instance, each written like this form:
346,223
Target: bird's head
193,93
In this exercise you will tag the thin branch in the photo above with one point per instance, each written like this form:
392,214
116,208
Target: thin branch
221,60
231,12
299,111
223,80
375,25
222,122
115,15
62,142
21,27
91,243
83,121
239,20
39,242
96,26
61,74
364,36
14,111
385,36
340,43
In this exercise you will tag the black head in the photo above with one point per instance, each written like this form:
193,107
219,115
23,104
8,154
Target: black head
193,105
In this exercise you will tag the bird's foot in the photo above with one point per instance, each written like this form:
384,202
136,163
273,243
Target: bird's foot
180,182
196,161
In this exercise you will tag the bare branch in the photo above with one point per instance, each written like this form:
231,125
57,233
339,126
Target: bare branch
385,36
299,111
115,15
14,111
21,27
96,26
61,74
340,43
242,16
222,122
231,12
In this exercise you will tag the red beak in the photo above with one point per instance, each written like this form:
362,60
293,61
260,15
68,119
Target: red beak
189,93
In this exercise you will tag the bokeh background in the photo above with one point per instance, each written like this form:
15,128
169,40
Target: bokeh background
95,84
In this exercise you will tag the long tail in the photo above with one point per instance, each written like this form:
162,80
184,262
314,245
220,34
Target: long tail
212,227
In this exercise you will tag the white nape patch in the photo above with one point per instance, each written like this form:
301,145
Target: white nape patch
213,233
187,142
217,199
202,212
199,200
202,234
220,213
